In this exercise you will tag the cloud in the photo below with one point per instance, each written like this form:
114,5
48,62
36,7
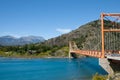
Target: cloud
63,30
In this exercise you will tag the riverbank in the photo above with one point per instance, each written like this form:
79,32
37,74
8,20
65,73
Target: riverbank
47,53
40,55
32,57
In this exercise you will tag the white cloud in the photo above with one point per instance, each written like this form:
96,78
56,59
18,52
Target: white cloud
63,30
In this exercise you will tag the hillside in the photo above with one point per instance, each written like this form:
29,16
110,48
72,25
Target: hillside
87,36
87,31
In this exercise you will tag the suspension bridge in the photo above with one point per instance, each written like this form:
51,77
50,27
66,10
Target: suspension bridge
107,47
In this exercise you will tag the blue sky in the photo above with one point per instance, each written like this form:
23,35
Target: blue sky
50,18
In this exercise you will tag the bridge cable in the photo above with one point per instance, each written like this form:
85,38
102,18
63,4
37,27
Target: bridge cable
100,44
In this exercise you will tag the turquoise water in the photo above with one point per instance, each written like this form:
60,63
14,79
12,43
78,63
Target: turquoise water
49,69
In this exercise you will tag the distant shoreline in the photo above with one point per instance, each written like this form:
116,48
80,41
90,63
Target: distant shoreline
30,57
36,57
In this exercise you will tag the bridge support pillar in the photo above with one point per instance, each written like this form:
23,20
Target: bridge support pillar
105,64
110,65
69,55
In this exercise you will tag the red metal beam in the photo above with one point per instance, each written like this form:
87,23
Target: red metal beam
111,14
111,30
102,32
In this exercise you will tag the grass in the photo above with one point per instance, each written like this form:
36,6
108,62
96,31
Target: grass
99,77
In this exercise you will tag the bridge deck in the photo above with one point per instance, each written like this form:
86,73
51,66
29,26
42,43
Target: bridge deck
87,53
114,56
98,54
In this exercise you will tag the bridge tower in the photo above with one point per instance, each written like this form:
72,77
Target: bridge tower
108,29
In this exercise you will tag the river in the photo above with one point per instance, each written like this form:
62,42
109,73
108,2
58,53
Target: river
49,69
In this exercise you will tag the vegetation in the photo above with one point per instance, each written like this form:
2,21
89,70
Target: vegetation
34,50
99,77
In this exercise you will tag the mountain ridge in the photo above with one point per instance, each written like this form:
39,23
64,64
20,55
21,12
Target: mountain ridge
86,36
9,40
80,32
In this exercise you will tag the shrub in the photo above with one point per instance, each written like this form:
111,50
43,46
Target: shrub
99,77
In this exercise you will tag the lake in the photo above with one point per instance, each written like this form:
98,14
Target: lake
49,69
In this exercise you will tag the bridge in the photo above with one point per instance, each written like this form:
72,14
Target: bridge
107,47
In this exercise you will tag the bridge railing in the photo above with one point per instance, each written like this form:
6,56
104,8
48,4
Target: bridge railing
92,53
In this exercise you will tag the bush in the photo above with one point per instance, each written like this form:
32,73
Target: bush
99,77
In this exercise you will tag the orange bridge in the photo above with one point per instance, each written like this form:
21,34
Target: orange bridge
108,41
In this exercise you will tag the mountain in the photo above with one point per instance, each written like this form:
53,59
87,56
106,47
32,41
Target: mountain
83,31
86,36
10,40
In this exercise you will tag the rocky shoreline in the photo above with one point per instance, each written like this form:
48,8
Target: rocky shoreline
116,76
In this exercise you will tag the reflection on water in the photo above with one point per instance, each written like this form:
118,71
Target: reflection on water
49,69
